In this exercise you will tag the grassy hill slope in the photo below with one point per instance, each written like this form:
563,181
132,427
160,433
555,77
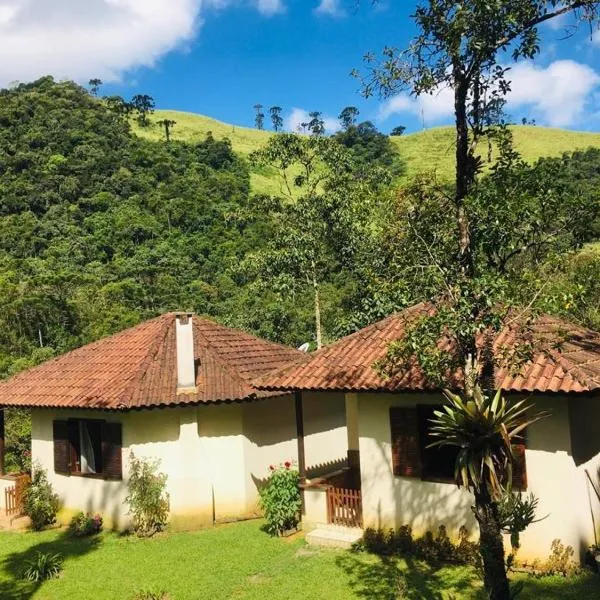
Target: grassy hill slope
432,149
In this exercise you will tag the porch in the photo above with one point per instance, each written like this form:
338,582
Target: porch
332,501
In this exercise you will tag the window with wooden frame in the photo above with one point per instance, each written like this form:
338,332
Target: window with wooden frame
88,448
409,428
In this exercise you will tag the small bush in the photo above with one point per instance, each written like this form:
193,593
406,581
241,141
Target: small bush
82,525
560,561
280,499
148,499
433,549
151,595
401,540
40,503
43,566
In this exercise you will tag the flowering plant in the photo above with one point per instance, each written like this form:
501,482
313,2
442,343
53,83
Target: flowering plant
82,525
280,498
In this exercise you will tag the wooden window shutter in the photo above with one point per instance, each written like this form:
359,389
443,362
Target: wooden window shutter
111,451
519,476
62,447
406,452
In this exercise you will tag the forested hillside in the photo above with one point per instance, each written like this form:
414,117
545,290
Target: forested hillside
102,228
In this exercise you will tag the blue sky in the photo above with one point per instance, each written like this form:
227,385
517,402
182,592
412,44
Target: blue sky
220,57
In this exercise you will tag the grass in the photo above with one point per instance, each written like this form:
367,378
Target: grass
432,149
239,561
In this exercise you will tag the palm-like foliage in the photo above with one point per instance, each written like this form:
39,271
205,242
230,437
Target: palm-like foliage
484,429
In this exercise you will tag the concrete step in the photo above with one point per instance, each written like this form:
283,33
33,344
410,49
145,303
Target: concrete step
334,536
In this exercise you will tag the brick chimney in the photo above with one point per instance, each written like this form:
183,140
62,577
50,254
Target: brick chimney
186,371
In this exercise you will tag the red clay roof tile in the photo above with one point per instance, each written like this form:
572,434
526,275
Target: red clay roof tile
347,365
137,368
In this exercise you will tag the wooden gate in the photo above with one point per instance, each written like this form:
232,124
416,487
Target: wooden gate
13,497
344,507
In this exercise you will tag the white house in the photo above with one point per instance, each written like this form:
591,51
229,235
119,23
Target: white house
397,480
176,388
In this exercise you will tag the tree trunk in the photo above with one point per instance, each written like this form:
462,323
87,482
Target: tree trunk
317,308
464,171
491,548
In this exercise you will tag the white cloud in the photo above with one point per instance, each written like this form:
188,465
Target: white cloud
330,7
270,7
81,39
556,95
299,116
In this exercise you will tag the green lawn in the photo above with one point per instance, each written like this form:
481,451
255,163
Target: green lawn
240,561
432,149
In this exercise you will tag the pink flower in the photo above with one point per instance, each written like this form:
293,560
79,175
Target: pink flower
271,467
287,464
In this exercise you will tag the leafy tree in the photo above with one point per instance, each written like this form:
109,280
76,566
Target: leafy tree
118,105
348,116
370,147
459,45
320,219
316,125
398,131
276,118
259,119
167,124
143,105
95,86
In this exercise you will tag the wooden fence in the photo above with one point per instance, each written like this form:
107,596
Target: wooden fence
344,507
13,496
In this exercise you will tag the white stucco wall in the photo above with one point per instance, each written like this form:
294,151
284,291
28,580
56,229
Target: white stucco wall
552,474
215,456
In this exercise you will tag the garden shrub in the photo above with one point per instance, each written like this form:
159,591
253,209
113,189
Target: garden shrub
40,503
433,549
43,566
560,561
148,499
82,525
280,499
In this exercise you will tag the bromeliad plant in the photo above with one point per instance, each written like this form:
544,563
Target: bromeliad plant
484,427
280,499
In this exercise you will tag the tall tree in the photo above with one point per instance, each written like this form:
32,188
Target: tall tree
143,105
398,130
461,46
259,118
348,116
321,216
95,86
316,125
167,125
276,118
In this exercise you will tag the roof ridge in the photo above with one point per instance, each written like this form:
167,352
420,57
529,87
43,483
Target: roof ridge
222,360
153,348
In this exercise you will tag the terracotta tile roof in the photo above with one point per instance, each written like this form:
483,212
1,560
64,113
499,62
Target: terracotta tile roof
137,368
347,365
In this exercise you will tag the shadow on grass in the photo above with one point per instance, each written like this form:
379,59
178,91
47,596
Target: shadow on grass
585,586
386,578
14,587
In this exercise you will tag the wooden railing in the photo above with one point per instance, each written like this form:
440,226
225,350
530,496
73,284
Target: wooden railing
13,496
344,507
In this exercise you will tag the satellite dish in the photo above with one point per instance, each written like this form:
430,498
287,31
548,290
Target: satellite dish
304,347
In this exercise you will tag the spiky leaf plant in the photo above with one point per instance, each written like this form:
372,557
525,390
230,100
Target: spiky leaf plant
484,429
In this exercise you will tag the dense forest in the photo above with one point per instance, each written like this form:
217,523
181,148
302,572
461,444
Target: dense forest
102,229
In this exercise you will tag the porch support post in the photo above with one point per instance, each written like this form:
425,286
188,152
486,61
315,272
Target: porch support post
300,437
2,441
